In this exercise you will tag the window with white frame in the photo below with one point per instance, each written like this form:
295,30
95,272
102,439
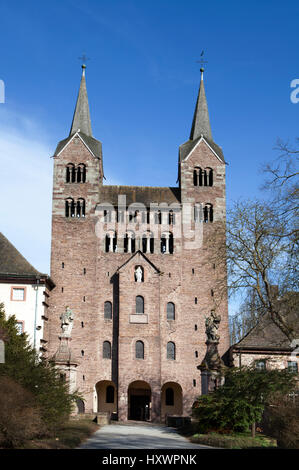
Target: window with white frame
18,293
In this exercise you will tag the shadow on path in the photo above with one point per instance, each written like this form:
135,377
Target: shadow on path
138,436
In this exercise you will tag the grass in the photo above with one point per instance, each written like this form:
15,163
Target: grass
234,440
228,441
68,436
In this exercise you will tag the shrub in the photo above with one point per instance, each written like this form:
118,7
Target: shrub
20,417
37,376
281,421
241,400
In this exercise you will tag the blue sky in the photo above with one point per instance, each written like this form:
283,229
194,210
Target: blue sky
142,80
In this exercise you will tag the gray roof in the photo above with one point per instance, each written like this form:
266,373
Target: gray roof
12,262
81,123
81,119
93,144
266,335
201,121
188,146
142,194
200,128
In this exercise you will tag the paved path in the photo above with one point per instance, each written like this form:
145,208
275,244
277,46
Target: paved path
138,436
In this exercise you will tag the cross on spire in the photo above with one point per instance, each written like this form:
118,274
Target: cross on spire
202,62
84,59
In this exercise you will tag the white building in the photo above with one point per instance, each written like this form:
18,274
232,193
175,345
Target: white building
24,292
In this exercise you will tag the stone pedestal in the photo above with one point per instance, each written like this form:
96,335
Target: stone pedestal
211,368
66,362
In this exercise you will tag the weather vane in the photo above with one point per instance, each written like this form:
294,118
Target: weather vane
202,61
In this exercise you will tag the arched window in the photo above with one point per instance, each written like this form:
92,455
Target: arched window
170,311
80,207
169,397
167,243
108,310
110,394
70,207
197,176
147,243
171,351
139,350
139,304
171,217
208,213
208,177
81,173
70,173
158,217
106,350
129,242
110,242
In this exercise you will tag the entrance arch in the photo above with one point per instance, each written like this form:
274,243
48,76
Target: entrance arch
106,394
139,401
171,399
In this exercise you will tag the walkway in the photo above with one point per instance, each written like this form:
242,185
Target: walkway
138,436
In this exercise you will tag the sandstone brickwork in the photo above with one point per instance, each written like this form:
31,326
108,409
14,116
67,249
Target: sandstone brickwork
89,271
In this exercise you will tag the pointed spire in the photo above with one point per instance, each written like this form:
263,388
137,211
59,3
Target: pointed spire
81,119
201,121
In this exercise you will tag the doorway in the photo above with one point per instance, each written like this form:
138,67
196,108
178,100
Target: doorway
139,394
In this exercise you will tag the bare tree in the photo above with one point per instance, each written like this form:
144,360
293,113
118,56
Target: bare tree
247,316
260,255
283,184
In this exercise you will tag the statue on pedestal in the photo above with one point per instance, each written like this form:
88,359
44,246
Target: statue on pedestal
138,274
212,325
67,319
211,366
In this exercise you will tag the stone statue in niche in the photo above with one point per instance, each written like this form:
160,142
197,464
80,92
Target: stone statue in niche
139,274
212,325
67,319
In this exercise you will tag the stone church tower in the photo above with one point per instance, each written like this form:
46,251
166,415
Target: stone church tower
136,268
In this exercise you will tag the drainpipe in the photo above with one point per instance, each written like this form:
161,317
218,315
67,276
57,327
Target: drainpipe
35,312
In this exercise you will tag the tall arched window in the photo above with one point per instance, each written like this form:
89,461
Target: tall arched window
110,394
197,176
167,244
106,350
170,311
171,351
139,350
108,310
129,242
81,207
70,207
139,304
147,243
81,173
169,397
70,173
111,242
208,177
171,217
158,217
208,213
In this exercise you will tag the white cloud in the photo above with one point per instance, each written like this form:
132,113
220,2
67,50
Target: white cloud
25,187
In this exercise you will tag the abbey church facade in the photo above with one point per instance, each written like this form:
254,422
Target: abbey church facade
135,274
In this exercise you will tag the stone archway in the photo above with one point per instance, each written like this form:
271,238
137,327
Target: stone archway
171,400
139,401
106,397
